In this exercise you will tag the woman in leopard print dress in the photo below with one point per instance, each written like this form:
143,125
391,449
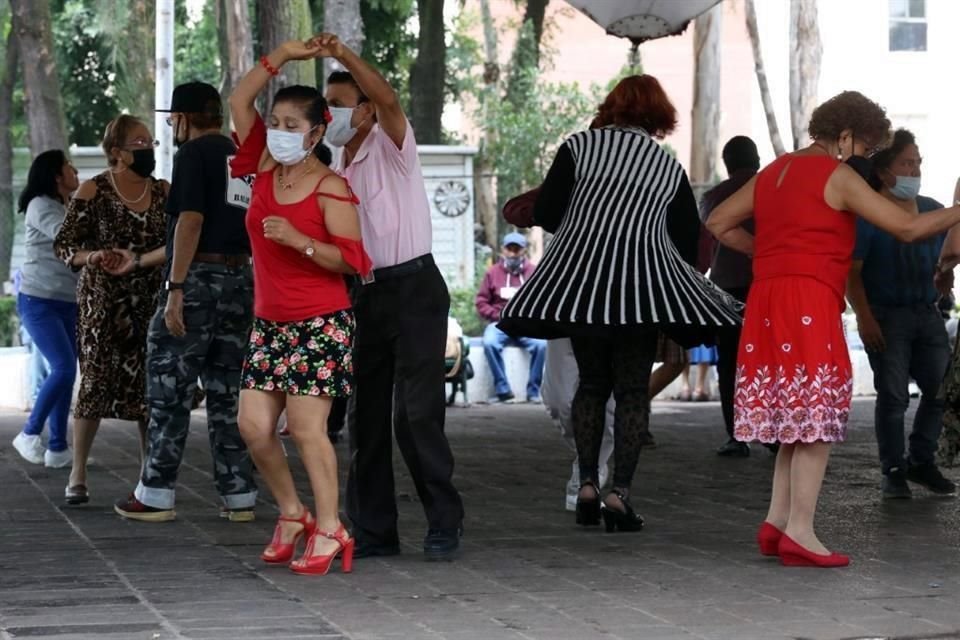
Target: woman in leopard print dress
114,232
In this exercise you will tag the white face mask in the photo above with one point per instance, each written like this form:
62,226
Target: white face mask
286,147
339,131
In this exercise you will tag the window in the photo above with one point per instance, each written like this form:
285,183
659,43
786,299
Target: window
908,25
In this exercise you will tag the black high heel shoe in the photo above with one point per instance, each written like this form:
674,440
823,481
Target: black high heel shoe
588,511
626,520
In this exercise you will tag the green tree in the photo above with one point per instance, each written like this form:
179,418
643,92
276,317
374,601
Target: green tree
197,55
390,43
89,96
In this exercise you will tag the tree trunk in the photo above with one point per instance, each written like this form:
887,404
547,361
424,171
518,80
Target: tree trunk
752,30
11,61
526,53
279,22
428,74
342,17
41,86
236,43
806,50
483,167
706,96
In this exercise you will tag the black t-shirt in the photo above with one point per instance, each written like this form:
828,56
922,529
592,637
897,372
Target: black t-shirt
202,183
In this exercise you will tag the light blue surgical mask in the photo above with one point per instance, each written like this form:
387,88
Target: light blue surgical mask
906,188
339,129
288,147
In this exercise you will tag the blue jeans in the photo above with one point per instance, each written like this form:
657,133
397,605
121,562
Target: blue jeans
53,327
495,340
918,348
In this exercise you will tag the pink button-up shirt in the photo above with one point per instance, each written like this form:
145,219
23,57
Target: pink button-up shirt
394,211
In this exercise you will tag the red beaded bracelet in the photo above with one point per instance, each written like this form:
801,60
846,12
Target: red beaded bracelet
272,70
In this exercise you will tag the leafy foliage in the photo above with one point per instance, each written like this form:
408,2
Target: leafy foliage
390,43
197,46
462,308
86,83
529,133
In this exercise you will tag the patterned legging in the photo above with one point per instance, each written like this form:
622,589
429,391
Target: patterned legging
621,364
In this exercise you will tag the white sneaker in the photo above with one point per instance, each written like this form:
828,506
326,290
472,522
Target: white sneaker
30,448
57,459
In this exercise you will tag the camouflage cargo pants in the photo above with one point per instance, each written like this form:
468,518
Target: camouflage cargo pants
217,314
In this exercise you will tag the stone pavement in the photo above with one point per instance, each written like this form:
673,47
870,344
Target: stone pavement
527,570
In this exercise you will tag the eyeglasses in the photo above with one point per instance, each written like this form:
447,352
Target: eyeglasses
142,143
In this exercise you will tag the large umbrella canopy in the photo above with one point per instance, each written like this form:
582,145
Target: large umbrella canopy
641,20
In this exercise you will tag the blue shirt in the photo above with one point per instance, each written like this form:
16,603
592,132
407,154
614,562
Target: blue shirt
895,273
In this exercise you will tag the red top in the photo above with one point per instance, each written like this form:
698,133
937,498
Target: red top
288,286
797,232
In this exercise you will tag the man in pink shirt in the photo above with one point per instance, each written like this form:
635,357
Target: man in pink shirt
401,314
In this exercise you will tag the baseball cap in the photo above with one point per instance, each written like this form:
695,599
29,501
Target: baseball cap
194,97
515,238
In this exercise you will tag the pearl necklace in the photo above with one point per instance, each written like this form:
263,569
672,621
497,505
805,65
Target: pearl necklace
146,188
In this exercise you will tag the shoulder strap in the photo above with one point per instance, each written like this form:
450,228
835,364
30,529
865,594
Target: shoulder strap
351,197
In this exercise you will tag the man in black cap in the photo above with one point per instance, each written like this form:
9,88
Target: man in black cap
203,321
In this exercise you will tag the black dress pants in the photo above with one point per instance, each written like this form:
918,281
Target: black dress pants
399,367
728,345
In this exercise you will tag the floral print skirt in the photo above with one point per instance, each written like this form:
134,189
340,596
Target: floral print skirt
305,358
794,378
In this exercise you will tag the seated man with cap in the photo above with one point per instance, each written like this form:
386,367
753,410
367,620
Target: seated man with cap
500,283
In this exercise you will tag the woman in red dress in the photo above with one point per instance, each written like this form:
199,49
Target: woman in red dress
793,376
305,235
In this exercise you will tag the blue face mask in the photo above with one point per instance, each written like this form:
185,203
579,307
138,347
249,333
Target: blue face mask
906,188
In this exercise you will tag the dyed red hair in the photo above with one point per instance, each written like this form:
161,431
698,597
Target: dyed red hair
638,101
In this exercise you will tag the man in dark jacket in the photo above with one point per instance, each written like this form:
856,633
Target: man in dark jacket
499,285
732,272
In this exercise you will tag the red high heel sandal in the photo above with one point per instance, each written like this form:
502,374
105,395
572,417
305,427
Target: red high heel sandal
283,551
310,564
768,537
793,555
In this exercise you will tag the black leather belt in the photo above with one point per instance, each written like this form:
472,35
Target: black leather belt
397,271
231,260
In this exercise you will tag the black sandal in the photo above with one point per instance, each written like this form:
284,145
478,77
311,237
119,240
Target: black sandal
588,511
626,520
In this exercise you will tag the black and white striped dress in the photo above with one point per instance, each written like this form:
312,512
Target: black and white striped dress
626,226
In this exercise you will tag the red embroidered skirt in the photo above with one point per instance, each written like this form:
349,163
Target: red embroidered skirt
794,379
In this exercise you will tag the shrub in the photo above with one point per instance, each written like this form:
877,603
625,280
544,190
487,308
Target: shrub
462,308
8,321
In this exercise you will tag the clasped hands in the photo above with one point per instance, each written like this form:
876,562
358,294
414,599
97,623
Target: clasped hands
323,45
116,262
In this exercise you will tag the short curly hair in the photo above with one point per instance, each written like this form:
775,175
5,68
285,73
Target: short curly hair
851,110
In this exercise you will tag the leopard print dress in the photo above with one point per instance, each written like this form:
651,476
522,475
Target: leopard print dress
114,311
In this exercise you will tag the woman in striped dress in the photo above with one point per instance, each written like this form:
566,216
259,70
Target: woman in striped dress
618,271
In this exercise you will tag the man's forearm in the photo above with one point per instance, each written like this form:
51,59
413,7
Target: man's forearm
186,239
371,82
857,294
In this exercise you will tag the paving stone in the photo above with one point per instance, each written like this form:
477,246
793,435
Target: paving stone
527,571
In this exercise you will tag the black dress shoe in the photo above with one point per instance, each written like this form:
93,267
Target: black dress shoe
734,449
365,549
442,544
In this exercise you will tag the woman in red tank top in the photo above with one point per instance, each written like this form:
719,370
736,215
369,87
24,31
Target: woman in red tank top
794,379
305,235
